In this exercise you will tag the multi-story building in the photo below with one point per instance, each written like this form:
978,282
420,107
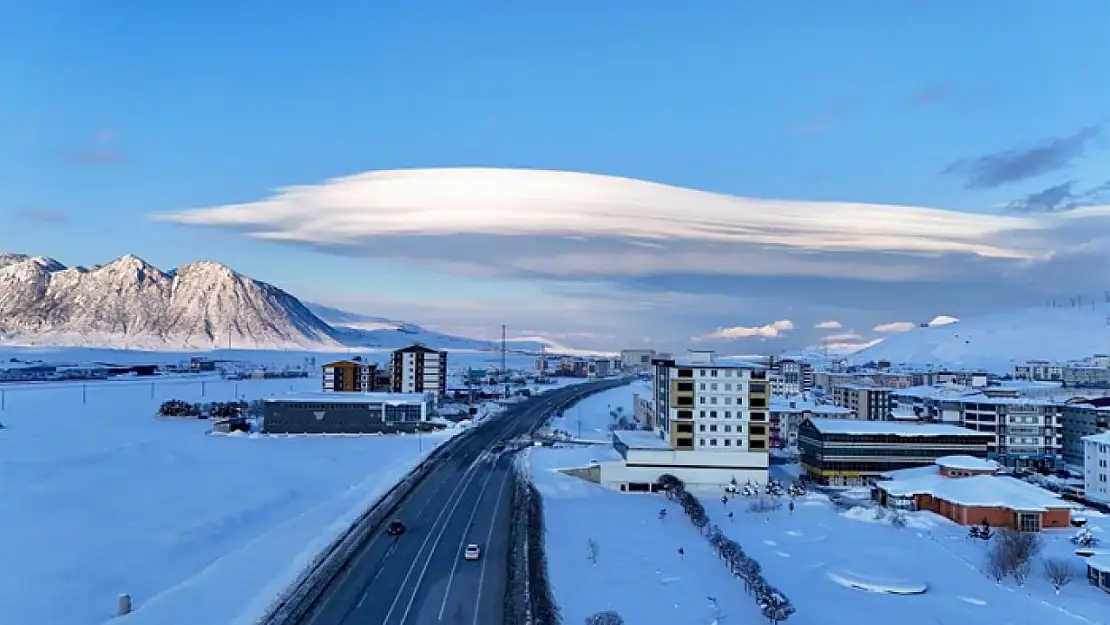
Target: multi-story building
868,403
790,377
714,415
636,358
1082,418
1096,467
788,413
354,376
1086,376
1028,431
419,369
1039,371
851,452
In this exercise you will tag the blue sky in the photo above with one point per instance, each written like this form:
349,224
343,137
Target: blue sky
118,110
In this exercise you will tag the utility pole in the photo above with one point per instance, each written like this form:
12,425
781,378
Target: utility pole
504,373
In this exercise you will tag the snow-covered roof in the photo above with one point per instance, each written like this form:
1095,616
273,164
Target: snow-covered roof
988,491
782,404
1101,438
717,364
857,426
967,463
641,439
1099,562
348,398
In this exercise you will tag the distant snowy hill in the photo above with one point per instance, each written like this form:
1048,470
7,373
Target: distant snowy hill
131,304
999,340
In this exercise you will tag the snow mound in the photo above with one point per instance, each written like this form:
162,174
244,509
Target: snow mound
877,583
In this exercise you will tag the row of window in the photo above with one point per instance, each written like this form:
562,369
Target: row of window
727,442
726,414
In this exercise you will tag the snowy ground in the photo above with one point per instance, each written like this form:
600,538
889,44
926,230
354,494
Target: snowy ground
100,497
812,553
814,556
590,419
639,572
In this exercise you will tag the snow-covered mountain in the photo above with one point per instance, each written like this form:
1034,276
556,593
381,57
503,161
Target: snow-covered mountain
997,341
129,303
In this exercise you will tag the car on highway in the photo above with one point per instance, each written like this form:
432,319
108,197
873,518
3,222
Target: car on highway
499,445
472,552
396,528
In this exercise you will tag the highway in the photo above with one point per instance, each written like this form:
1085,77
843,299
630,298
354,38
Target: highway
420,577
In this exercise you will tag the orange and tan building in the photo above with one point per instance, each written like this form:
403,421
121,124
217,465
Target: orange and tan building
969,491
353,376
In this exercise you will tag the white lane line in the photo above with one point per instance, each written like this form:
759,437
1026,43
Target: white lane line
489,537
460,488
431,554
462,542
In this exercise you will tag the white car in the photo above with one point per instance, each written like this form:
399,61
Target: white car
472,552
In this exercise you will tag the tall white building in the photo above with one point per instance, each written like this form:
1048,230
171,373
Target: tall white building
1096,467
419,369
711,426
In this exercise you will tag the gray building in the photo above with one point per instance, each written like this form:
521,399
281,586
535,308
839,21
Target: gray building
347,413
1083,419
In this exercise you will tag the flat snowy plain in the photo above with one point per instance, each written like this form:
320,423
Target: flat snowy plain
101,498
809,555
590,418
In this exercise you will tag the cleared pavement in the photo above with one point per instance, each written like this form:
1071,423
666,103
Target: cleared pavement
420,577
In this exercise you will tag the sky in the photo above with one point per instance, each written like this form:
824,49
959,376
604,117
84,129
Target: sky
835,171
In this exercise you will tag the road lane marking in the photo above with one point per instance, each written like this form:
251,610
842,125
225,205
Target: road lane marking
489,537
459,489
465,536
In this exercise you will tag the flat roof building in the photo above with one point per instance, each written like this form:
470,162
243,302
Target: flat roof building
347,413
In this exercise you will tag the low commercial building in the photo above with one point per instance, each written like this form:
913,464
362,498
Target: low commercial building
646,456
850,452
347,413
1098,571
968,490
1096,468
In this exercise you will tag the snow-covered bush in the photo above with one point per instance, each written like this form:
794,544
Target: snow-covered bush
1084,538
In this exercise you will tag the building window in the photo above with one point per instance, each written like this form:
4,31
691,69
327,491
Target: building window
701,413
701,442
713,428
713,386
728,414
728,428
728,442
712,442
701,372
713,372
701,386
701,427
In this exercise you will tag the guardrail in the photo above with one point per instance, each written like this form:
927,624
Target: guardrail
294,604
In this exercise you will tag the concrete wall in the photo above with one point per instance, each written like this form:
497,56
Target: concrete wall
614,474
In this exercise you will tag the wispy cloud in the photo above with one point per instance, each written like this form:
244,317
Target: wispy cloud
42,216
844,337
100,150
1061,197
829,325
895,326
1012,165
931,95
770,331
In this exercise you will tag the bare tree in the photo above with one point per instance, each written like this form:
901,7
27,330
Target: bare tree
997,567
1058,572
591,551
1015,550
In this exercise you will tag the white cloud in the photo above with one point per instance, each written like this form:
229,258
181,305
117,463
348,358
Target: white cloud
942,320
829,325
843,337
851,347
769,331
895,326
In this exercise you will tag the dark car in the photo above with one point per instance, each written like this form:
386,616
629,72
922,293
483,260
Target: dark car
499,445
396,528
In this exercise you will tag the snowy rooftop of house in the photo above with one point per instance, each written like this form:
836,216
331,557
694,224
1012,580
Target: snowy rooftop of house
1099,562
347,398
857,426
977,490
967,463
641,439
1102,439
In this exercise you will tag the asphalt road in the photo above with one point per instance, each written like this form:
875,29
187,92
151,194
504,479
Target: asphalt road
420,578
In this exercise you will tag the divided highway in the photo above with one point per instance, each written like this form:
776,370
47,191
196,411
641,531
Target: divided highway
420,577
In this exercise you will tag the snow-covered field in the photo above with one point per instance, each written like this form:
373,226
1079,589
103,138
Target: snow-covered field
815,556
100,498
590,418
639,571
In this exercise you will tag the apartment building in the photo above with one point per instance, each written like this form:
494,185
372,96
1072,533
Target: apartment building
788,413
1039,371
714,415
1028,432
354,376
851,452
789,377
867,403
419,369
1096,468
637,358
1082,418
